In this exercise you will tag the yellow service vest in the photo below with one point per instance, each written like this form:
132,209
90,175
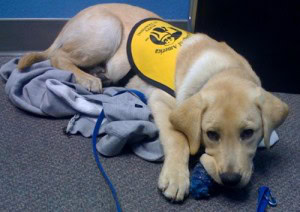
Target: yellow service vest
152,48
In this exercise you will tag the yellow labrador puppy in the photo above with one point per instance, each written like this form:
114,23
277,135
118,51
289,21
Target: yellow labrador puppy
219,102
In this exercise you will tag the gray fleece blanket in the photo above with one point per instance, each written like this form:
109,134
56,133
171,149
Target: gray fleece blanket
46,91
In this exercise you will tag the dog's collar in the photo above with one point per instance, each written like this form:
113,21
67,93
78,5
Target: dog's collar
123,82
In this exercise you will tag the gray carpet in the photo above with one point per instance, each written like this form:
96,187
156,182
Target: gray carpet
41,169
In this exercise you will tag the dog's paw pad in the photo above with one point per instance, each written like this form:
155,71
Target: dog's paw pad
174,183
91,83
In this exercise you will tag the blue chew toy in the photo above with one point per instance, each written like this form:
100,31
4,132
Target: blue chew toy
201,184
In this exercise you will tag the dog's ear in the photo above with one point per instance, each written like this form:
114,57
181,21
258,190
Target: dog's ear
273,111
186,118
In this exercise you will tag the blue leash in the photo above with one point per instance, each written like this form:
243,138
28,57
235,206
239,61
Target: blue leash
94,142
265,198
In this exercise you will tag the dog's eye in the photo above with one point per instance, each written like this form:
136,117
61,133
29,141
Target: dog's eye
246,134
212,135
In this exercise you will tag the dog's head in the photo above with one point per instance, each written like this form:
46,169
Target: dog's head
229,118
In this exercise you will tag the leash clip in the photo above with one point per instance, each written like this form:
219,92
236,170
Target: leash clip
265,199
271,200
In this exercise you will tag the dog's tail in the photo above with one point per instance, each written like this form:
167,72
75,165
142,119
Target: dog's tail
35,57
31,58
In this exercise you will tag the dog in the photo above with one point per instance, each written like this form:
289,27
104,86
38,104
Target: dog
219,103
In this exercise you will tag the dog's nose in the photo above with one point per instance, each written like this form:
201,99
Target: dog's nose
230,179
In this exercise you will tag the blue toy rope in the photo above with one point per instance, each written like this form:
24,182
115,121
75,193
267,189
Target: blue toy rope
94,142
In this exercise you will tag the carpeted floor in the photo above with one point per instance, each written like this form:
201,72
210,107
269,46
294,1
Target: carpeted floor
41,169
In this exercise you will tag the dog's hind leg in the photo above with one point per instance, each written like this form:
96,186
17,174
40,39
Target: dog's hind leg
61,61
90,38
174,178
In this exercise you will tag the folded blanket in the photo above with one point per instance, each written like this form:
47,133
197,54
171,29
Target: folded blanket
46,91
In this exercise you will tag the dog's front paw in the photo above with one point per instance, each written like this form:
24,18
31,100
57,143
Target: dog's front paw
91,83
174,181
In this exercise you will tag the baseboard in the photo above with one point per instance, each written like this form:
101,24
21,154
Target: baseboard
22,35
